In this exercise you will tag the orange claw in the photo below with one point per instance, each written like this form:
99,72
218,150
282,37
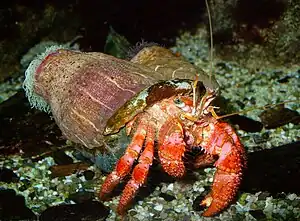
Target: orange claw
224,142
223,192
171,148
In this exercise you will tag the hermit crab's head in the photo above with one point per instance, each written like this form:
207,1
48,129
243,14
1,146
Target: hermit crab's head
202,108
199,103
202,101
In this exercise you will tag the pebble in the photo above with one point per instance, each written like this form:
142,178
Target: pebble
170,187
163,215
292,196
158,207
202,189
178,209
197,187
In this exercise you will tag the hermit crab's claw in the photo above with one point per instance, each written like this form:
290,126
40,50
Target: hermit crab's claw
224,143
171,148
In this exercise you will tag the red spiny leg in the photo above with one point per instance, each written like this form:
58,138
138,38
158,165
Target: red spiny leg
140,172
124,164
171,148
224,142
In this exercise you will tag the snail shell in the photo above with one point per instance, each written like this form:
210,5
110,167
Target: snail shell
165,61
85,91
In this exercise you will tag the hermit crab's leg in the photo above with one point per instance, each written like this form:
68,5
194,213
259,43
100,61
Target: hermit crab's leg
224,142
171,148
124,164
130,125
140,172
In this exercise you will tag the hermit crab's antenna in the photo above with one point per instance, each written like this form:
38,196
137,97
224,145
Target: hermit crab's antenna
194,95
210,59
211,41
255,108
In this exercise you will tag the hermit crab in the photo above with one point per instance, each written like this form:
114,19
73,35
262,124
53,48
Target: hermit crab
156,98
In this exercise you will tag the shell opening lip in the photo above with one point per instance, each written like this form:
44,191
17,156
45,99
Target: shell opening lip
29,83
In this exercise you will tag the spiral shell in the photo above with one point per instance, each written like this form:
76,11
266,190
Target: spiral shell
163,60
